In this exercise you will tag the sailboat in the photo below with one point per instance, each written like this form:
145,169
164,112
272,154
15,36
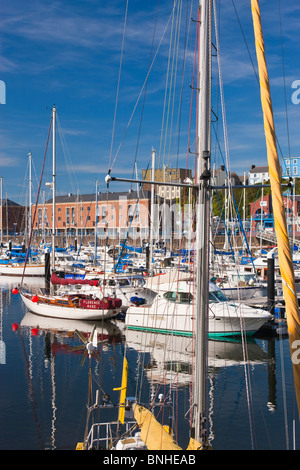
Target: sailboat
145,430
16,263
93,305
152,435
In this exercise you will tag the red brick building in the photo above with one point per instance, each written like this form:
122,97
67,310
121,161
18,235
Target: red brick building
77,215
262,212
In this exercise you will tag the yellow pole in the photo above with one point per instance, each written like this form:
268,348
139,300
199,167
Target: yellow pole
284,250
123,390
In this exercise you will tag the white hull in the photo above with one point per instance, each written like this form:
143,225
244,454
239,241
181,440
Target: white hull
62,325
71,313
224,319
244,293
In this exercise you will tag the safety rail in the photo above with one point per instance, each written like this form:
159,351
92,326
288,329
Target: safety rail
103,435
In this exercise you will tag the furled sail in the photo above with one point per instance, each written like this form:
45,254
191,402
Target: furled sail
153,434
284,251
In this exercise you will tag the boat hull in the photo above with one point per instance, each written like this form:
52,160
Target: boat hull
30,270
244,293
72,313
224,319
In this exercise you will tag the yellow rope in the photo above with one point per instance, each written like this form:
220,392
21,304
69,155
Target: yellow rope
284,251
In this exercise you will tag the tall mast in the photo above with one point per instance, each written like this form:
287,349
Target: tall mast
199,425
152,211
30,187
96,223
53,188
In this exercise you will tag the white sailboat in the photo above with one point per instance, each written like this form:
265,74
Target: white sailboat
89,306
10,266
152,434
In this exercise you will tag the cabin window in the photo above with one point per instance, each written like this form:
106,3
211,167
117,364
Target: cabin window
217,296
179,297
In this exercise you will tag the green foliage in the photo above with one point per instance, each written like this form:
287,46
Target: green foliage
251,195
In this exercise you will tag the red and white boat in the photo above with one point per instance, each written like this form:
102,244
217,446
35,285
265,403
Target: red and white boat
75,306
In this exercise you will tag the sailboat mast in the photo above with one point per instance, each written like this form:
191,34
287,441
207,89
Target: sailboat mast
96,223
152,211
199,425
53,187
30,187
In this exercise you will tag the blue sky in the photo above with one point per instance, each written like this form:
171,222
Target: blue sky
67,53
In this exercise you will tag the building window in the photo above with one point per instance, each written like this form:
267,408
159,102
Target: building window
40,216
295,171
68,215
288,162
295,161
288,172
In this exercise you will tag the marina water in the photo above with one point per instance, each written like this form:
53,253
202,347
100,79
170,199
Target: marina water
44,388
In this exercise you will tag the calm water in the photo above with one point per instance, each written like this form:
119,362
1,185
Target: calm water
44,388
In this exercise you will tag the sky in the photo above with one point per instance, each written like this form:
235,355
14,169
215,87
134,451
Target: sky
110,82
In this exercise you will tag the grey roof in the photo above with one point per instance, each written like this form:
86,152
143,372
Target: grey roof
259,169
9,203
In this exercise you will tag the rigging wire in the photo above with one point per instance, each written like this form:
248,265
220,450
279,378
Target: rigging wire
284,82
141,91
36,204
244,344
254,69
186,39
118,87
145,92
68,161
289,153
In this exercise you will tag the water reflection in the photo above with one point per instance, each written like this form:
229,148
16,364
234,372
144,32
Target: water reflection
56,387
63,328
59,339
171,357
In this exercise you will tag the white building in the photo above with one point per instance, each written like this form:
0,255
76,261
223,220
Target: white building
258,174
